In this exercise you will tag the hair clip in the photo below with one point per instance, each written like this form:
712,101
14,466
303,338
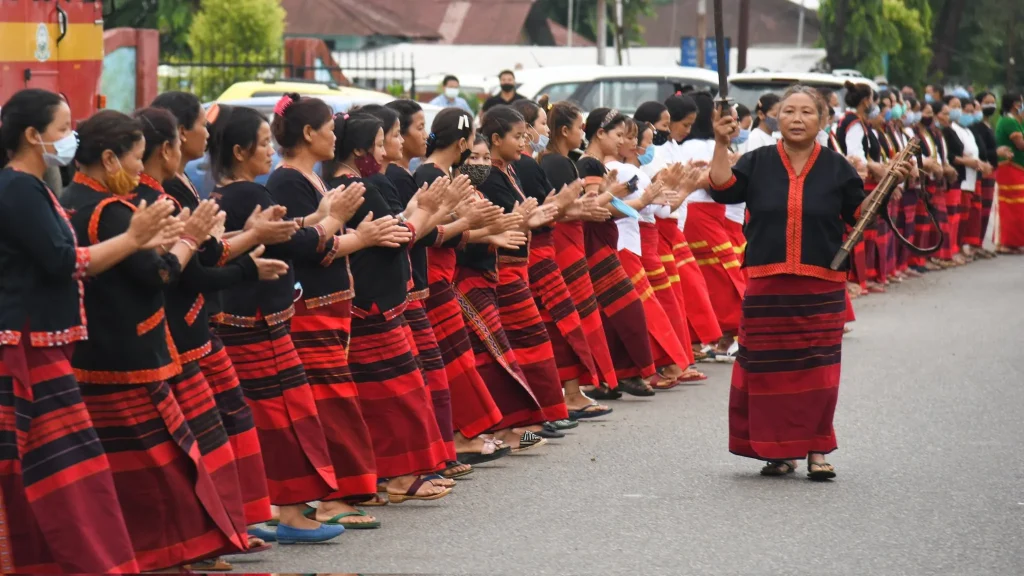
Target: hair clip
609,117
464,122
212,113
283,104
431,138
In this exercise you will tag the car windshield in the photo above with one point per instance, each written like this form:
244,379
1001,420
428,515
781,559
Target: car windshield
748,92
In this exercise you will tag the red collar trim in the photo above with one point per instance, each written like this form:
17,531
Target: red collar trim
148,180
81,178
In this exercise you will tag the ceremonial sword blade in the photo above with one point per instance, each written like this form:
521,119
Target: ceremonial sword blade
723,70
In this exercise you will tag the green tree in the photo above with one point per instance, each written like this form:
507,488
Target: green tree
244,38
910,57
585,19
171,17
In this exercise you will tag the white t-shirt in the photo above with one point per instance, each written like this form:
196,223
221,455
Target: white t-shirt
629,228
668,153
970,151
759,139
855,141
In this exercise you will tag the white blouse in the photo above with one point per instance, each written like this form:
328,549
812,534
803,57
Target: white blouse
970,151
629,228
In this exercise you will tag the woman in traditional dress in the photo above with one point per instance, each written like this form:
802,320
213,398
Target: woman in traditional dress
1010,176
981,208
394,397
940,153
786,378
672,122
965,156
74,525
256,331
576,361
124,366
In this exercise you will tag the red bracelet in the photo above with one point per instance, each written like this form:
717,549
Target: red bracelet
190,242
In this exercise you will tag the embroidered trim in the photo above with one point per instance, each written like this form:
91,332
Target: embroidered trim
150,323
514,260
326,299
419,295
462,242
725,185
408,225
58,338
81,178
193,312
279,317
128,376
147,180
321,233
236,321
83,257
332,253
374,311
225,254
193,355
799,270
10,337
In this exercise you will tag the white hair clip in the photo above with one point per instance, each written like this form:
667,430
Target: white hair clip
463,122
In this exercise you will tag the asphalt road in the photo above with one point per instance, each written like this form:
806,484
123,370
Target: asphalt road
930,472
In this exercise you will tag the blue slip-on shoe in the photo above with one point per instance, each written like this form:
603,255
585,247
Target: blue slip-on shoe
288,535
262,533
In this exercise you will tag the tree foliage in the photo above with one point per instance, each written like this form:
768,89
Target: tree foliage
585,17
172,18
910,51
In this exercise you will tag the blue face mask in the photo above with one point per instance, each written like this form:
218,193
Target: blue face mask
648,156
954,115
888,115
929,98
744,135
539,144
978,116
897,111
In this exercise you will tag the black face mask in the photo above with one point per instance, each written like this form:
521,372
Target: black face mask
988,110
927,121
477,173
508,87
660,137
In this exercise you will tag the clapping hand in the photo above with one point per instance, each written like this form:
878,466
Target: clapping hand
385,232
152,225
267,269
347,200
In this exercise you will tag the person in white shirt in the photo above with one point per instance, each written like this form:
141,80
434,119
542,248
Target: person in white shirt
963,153
766,125
449,97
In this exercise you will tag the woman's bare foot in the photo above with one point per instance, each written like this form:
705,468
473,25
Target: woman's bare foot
473,445
672,372
580,401
328,510
401,485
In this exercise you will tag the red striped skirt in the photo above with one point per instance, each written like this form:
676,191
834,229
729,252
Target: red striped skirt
291,435
495,361
531,346
928,231
661,285
432,366
970,217
785,381
564,326
571,258
145,433
734,230
718,263
58,495
1011,204
954,202
321,337
687,281
876,245
666,348
625,325
241,429
473,410
196,398
905,221
394,397
988,193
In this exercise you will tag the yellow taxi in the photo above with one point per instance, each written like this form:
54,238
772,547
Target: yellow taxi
257,88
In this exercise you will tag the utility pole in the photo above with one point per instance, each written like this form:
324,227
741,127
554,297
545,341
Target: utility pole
620,37
744,36
800,27
702,32
602,30
569,22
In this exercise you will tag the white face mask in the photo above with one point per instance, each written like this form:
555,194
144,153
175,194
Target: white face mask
451,93
64,151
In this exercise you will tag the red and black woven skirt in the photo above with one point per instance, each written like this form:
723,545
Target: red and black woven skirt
241,429
473,409
926,230
145,432
625,325
661,285
292,439
61,508
531,346
432,366
571,258
688,283
705,230
321,336
785,381
666,348
196,399
970,217
988,193
495,361
573,356
393,395
905,221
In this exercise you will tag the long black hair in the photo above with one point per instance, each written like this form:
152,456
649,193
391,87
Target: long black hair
448,128
499,121
106,130
650,112
183,105
601,119
528,109
387,116
159,127
234,126
680,106
288,127
560,115
29,108
352,132
703,127
406,110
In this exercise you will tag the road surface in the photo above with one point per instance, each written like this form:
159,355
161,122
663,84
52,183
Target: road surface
929,423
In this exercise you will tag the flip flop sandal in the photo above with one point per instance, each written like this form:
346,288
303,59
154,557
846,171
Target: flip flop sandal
452,464
604,393
694,376
565,424
439,477
550,432
254,548
527,441
211,565
824,471
634,387
377,500
665,384
311,513
474,458
410,494
778,468
589,412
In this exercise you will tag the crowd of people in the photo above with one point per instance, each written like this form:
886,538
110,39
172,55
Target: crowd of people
186,379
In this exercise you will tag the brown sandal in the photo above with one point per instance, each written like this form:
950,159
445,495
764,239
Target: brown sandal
778,468
825,471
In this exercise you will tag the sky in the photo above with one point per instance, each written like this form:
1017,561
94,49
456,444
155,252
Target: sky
811,4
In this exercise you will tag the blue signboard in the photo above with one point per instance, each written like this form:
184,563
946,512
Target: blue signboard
688,45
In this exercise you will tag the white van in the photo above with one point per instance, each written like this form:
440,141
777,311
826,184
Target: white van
746,87
621,87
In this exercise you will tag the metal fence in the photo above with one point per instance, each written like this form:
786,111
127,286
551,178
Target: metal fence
208,75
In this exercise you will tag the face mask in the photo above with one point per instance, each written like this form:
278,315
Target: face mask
888,115
477,173
954,115
539,144
874,112
929,98
927,121
988,110
978,116
838,111
451,93
897,111
367,165
1020,109
121,183
660,137
508,87
743,137
648,156
828,129
772,124
64,151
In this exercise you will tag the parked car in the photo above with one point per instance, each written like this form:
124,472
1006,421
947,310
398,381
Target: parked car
277,88
199,170
620,87
747,87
